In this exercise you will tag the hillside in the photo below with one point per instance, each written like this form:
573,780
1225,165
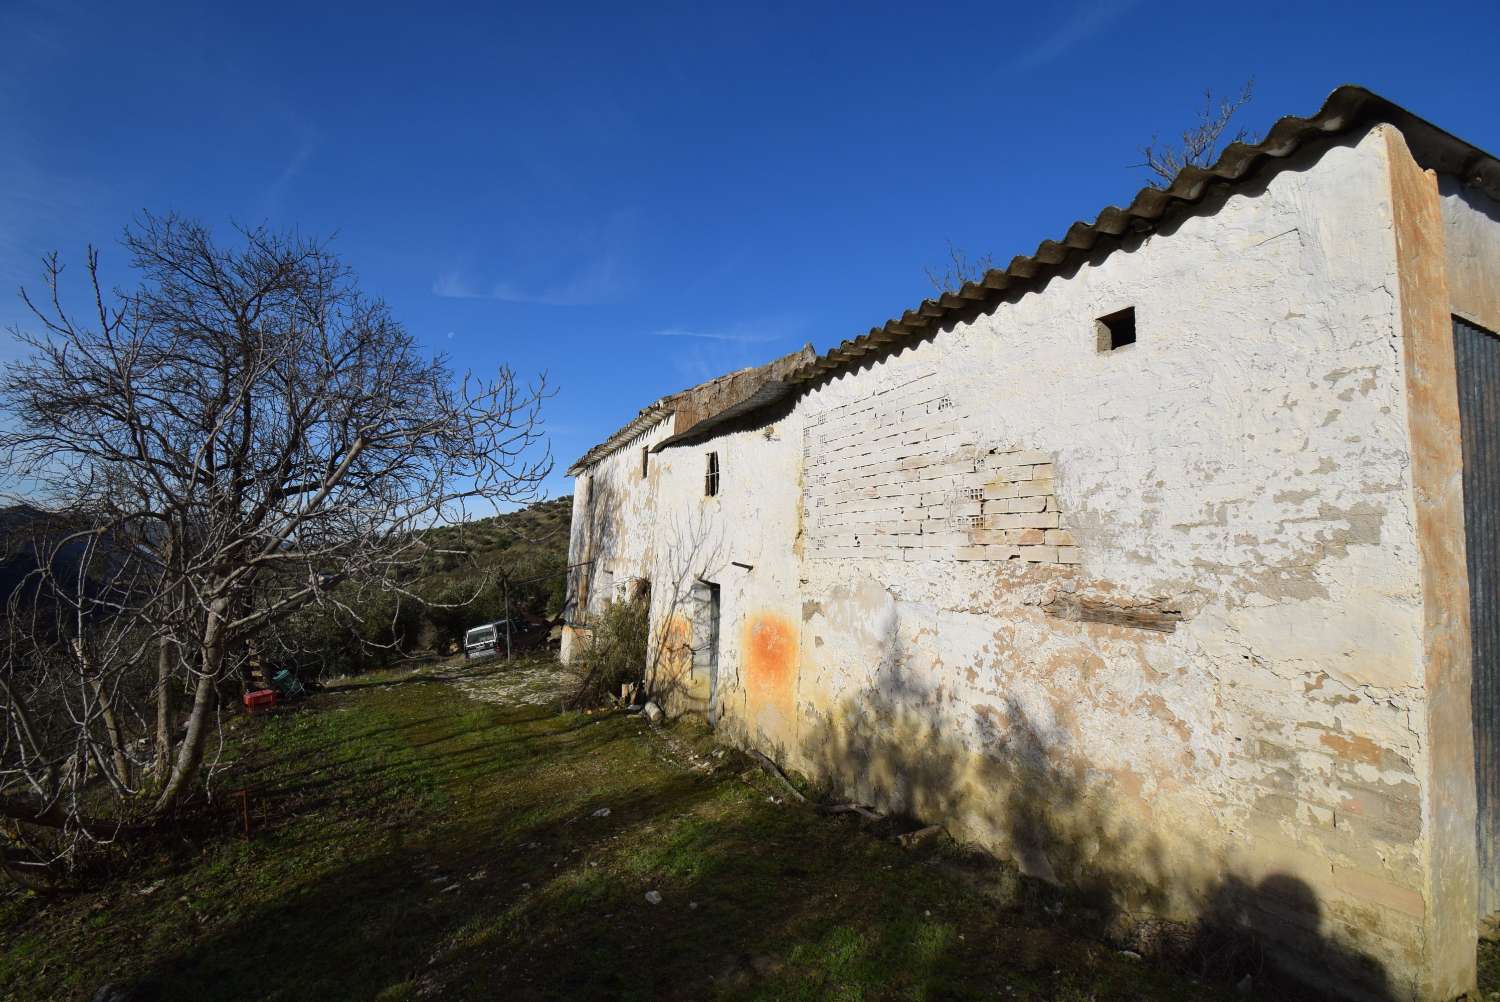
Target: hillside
469,574
526,548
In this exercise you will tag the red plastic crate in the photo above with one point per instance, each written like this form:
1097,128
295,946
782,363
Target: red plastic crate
260,699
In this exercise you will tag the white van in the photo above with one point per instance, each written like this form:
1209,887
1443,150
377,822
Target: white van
484,641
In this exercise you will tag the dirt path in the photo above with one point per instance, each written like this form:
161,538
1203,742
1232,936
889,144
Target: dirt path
528,682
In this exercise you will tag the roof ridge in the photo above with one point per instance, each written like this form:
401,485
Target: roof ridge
666,406
1346,107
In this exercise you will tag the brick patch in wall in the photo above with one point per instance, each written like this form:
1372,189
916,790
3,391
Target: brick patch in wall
899,475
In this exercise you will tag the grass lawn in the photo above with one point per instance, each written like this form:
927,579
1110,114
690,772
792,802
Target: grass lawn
413,842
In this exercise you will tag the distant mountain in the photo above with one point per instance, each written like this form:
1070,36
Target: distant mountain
28,535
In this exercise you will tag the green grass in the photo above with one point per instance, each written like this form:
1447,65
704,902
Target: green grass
409,842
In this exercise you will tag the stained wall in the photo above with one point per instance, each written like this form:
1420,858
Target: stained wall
1149,621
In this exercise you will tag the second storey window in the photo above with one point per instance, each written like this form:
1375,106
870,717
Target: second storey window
711,476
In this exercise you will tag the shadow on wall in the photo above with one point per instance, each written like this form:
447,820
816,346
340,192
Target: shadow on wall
1028,797
691,552
595,541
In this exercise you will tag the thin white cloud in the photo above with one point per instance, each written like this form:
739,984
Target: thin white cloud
271,201
737,337
695,365
1086,21
761,330
706,352
596,282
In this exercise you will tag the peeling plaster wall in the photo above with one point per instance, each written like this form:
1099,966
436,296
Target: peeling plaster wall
1447,769
746,539
1239,479
1471,222
1149,620
612,535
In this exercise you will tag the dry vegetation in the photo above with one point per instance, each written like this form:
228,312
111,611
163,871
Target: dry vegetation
616,653
229,467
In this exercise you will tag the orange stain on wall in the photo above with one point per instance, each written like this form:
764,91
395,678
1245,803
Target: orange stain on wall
770,648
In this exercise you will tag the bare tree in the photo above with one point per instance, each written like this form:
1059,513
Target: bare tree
958,270
236,436
66,685
1201,142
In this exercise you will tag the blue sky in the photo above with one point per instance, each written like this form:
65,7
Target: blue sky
633,200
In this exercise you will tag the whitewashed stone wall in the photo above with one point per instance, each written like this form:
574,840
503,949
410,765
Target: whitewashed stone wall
745,539
1147,620
1239,475
612,536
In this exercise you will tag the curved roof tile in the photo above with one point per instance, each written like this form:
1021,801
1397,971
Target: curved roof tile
1347,108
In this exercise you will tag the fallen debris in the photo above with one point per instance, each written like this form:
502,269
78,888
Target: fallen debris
652,712
771,768
859,809
114,993
920,835
654,897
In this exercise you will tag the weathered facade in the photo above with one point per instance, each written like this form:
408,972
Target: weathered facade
1141,562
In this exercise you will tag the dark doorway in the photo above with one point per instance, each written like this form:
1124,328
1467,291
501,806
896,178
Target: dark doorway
1477,359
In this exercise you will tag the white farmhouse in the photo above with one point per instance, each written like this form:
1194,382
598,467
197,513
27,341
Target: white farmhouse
1164,561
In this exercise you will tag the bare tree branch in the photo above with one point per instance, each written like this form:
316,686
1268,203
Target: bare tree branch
958,270
1200,144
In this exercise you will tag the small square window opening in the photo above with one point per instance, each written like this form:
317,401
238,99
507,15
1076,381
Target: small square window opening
711,476
1116,330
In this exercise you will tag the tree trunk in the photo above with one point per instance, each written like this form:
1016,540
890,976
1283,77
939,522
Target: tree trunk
114,732
190,754
164,710
55,815
31,750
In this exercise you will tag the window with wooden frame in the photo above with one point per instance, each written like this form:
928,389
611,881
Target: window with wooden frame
711,476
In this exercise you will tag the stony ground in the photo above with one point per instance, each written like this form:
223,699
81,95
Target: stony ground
448,834
528,683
